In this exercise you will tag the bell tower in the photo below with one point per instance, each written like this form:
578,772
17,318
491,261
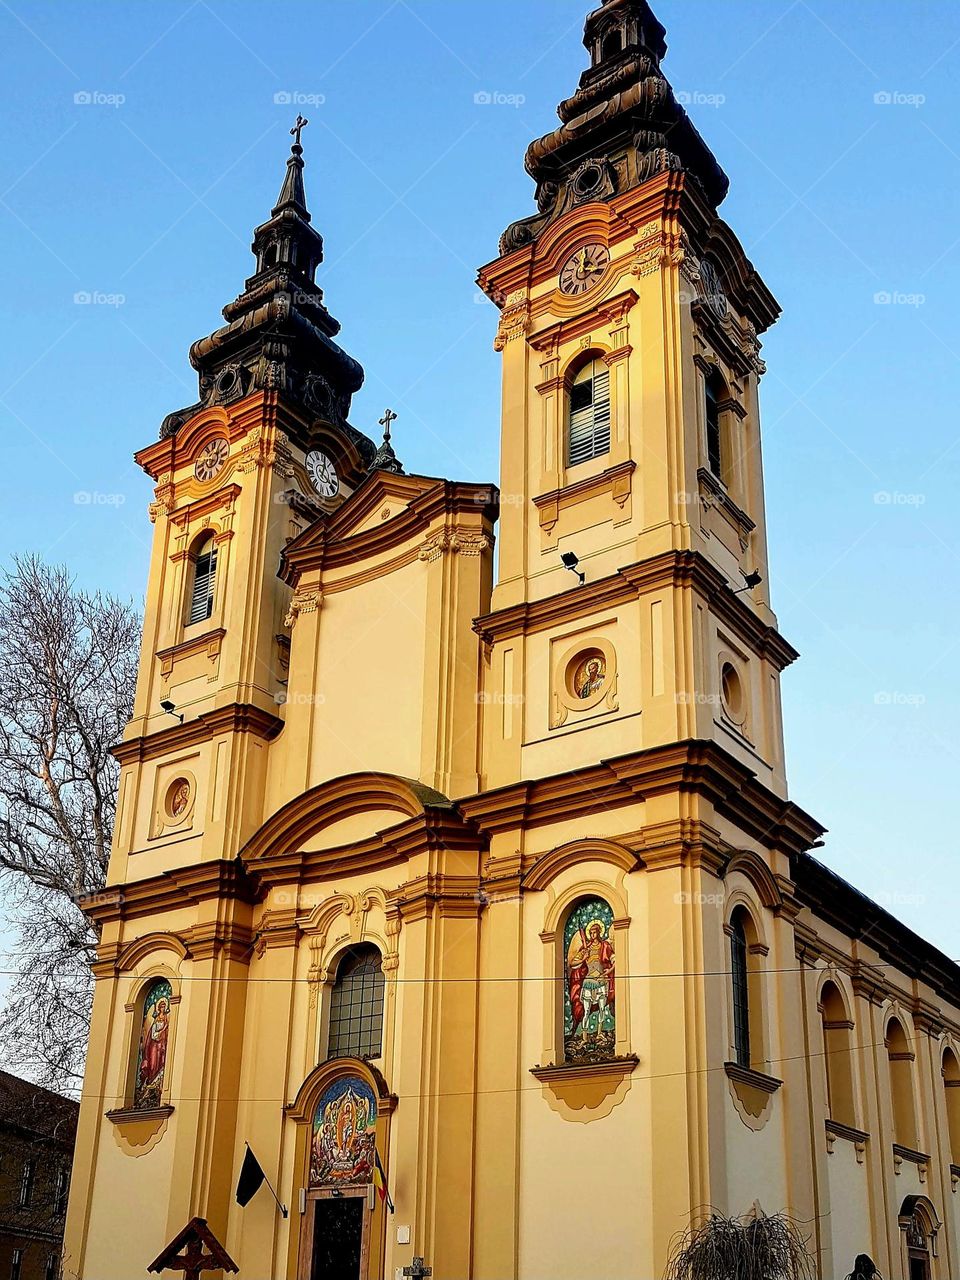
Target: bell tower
266,450
631,440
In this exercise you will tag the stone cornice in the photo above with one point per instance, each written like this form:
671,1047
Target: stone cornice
688,569
840,905
171,890
693,766
751,1078
434,832
667,198
238,717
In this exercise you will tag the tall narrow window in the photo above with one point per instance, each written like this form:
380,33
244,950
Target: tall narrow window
588,434
901,1060
52,1269
16,1264
951,1084
356,1005
26,1182
204,580
741,990
60,1197
838,1056
716,391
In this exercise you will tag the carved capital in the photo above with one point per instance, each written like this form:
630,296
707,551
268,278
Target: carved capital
303,602
455,541
164,495
514,319
265,448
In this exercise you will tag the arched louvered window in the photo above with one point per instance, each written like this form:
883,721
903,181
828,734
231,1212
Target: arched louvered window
204,579
588,433
739,968
716,391
356,1005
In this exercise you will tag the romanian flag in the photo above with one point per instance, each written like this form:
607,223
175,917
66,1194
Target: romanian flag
380,1182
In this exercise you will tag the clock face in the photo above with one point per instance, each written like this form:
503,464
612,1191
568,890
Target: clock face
584,269
211,459
323,474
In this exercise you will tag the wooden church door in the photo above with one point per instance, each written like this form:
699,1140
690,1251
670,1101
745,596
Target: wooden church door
336,1235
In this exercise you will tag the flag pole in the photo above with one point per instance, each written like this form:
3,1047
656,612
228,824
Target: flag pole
282,1207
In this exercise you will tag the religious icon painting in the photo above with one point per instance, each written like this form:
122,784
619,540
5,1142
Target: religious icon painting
589,676
178,797
152,1051
589,1003
343,1140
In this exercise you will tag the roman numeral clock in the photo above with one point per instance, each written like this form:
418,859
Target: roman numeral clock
584,269
322,473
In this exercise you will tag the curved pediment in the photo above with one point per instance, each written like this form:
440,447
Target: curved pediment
341,804
386,514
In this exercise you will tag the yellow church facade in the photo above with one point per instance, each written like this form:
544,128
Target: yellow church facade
518,934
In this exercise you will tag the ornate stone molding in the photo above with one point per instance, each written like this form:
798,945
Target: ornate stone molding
164,495
919,1158
303,601
585,1092
514,319
210,643
266,448
834,1130
657,248
455,541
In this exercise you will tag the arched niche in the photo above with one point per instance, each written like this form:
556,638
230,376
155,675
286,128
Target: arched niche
837,1027
335,1153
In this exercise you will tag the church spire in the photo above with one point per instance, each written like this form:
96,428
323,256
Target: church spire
279,335
292,194
622,126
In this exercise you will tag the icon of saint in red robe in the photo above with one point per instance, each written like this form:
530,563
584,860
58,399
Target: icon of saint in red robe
153,1051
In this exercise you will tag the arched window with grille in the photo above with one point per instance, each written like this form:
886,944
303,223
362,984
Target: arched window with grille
203,581
740,978
356,1005
588,427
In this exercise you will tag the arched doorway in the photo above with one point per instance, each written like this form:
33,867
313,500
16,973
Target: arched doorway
920,1225
343,1113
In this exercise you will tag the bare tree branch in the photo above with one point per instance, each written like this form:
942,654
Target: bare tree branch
68,663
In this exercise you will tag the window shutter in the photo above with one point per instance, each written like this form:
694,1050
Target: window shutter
204,576
589,433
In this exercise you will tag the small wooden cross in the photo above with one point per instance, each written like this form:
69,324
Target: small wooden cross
194,1250
418,1270
298,127
388,418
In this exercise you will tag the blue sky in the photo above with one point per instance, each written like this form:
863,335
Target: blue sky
145,196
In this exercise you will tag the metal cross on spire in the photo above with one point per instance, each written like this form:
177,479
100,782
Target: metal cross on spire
386,421
298,128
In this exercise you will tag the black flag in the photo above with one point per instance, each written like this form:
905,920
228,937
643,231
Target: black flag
251,1178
